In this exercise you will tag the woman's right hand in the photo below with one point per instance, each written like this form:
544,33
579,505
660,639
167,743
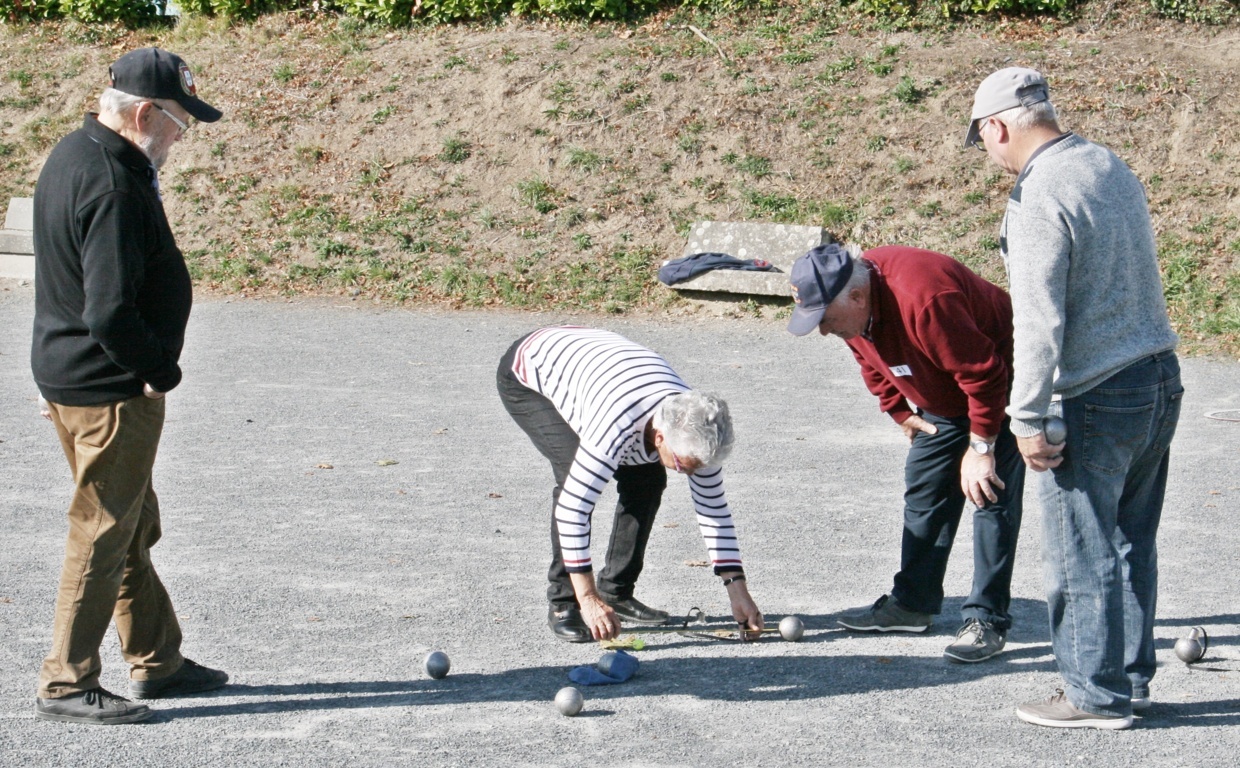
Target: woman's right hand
602,620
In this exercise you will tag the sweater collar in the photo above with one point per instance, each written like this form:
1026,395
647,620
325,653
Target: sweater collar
1060,139
121,148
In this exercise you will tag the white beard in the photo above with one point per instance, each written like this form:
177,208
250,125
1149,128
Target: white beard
158,155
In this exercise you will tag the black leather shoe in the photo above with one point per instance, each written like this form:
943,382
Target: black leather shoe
96,707
634,611
192,677
568,625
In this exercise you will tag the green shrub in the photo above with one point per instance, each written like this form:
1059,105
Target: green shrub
95,11
1197,11
593,9
238,9
29,10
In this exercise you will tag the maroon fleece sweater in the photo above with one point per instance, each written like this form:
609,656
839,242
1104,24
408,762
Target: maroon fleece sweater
940,338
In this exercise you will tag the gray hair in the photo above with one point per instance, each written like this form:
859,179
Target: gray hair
696,426
1023,118
118,102
860,277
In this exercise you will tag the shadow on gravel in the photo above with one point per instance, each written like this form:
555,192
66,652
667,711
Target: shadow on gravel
750,678
1191,715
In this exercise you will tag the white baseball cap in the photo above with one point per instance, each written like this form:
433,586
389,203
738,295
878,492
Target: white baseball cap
1003,90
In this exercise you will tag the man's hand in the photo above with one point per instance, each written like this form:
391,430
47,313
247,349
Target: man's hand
1040,455
45,410
978,479
914,424
745,611
151,392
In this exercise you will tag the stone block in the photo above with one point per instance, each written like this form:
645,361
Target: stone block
20,215
780,244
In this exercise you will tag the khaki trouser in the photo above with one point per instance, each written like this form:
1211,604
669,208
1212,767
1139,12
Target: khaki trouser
107,573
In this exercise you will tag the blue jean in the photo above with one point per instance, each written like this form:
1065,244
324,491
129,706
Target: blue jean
933,505
1101,509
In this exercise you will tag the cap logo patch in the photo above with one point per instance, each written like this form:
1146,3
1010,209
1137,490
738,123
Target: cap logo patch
187,81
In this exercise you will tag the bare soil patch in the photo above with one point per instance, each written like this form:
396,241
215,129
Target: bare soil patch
555,166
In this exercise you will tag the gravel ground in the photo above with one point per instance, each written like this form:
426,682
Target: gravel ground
319,574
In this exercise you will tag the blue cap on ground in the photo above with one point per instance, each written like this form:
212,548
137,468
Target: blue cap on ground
817,278
623,666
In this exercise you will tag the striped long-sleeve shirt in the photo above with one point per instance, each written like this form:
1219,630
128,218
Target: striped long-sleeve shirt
607,388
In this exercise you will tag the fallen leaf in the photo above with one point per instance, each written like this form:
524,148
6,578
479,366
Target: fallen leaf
671,525
386,462
314,618
440,431
323,466
494,495
697,563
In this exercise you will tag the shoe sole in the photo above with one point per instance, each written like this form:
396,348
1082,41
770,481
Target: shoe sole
963,660
915,630
172,693
135,717
643,622
1100,723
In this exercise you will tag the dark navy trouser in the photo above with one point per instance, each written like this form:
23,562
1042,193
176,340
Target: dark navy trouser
639,487
933,504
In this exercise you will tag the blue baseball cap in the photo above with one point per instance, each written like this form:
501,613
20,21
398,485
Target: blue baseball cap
817,278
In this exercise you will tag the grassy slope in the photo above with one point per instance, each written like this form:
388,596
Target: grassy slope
554,166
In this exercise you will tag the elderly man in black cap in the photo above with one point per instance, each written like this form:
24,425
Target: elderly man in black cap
934,342
112,299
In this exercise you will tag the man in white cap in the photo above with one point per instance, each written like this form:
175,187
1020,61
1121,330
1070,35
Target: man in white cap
1093,344
112,299
934,342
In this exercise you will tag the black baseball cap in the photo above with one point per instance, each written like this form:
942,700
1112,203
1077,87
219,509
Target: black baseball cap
154,73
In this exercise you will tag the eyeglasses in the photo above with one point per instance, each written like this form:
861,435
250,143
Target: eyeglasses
978,143
180,124
683,468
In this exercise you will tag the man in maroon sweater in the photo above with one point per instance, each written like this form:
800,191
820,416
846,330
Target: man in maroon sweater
934,342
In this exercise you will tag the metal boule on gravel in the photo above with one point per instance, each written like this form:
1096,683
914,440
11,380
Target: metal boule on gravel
437,664
1192,649
791,628
605,662
569,701
1055,429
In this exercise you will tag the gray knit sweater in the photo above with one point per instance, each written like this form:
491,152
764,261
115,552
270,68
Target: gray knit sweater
1082,266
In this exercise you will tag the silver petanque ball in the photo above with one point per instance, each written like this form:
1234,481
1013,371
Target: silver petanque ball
437,664
1056,430
605,662
1188,650
1192,649
569,701
791,628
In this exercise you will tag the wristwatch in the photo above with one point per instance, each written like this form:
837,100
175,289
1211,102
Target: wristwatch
981,446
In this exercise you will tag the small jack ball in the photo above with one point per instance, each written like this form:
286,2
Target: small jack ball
437,664
791,628
569,701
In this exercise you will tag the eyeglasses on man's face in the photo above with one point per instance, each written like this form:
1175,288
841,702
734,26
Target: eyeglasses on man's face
181,124
979,143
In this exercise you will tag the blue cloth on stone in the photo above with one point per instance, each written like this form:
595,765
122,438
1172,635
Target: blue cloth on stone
679,270
622,668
